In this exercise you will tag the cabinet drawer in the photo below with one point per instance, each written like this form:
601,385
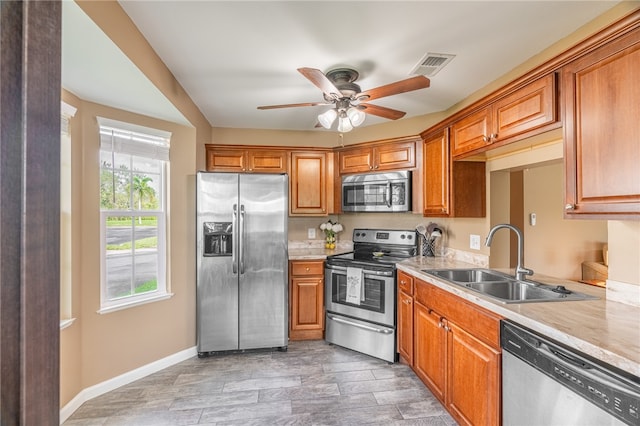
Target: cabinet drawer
405,283
307,268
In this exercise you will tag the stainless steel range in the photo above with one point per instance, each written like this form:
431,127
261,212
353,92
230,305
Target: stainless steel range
360,291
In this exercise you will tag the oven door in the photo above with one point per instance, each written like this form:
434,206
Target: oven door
377,303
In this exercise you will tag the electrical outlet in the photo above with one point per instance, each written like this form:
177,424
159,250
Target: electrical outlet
474,241
311,233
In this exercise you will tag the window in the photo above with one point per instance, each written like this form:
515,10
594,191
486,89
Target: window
133,170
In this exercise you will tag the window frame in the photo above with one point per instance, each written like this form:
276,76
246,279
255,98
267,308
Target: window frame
162,291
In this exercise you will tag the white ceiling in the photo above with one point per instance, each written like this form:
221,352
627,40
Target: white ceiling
232,56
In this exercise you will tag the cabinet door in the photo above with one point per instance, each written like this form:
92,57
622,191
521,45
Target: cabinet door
471,133
356,160
394,156
307,303
429,342
405,327
436,174
308,194
226,160
260,161
601,131
526,109
473,382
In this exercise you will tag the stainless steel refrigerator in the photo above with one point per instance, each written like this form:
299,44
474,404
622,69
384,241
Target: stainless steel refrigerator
242,269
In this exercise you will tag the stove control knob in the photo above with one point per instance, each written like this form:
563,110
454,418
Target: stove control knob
402,237
410,236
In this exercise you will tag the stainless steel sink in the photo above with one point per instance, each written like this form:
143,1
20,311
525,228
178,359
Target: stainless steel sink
506,288
468,275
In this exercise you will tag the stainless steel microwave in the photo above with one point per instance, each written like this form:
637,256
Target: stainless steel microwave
377,192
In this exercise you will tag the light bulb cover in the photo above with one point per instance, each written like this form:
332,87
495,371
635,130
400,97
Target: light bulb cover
356,116
327,118
344,125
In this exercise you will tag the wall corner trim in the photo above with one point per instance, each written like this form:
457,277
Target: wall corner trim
123,379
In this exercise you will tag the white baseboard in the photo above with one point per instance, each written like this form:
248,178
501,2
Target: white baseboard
123,379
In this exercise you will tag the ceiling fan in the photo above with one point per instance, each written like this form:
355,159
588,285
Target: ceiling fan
351,103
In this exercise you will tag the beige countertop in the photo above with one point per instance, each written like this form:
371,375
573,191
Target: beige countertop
606,330
314,249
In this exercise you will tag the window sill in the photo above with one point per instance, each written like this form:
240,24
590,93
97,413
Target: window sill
134,303
66,323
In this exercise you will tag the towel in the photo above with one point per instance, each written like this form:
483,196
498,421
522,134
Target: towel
354,285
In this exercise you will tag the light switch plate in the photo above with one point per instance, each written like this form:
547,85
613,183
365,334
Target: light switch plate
474,241
311,233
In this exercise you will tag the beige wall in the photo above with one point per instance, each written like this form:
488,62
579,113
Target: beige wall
556,246
98,347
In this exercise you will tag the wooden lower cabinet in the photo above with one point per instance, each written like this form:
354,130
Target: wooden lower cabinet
473,378
457,354
306,295
405,317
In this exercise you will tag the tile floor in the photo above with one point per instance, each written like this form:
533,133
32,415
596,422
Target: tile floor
313,383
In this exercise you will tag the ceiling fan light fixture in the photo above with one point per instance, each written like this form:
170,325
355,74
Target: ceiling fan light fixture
327,118
356,116
344,125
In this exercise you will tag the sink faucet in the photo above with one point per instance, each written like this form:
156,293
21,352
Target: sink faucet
521,271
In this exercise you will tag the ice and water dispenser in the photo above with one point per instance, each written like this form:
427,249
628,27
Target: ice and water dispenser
218,239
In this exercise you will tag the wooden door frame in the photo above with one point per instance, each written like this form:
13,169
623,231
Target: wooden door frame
30,70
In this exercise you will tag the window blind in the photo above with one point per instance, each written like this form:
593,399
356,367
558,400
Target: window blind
122,139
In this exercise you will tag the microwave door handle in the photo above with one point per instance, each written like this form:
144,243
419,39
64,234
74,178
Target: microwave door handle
234,240
388,194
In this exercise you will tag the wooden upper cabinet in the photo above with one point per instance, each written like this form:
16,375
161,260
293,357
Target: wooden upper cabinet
602,131
451,188
435,154
245,159
308,182
260,161
532,107
529,108
356,160
472,132
391,155
226,160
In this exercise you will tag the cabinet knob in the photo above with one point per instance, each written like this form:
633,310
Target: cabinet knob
308,269
376,166
406,301
569,207
493,136
446,328
485,139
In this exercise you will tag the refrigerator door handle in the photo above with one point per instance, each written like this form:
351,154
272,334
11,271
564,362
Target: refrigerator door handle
242,240
234,248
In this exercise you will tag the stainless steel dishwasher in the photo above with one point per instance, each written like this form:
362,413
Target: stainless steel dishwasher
546,383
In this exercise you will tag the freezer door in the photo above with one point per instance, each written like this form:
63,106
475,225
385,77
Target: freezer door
217,284
263,261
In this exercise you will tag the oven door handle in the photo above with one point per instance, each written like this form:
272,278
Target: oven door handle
366,271
364,327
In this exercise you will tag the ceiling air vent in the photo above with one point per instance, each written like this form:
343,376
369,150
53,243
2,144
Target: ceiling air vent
432,63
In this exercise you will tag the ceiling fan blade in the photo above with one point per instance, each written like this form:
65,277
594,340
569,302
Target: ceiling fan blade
321,81
293,105
384,112
408,85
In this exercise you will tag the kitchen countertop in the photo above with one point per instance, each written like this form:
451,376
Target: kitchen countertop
314,249
606,330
